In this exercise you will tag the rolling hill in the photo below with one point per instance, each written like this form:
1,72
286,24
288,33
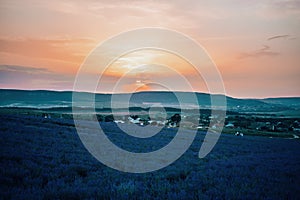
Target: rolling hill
49,99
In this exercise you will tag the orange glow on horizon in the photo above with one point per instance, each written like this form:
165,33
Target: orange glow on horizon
254,45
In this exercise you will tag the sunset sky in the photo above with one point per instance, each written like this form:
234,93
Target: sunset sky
255,44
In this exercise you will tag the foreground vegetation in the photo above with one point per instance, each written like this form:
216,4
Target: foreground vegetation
45,159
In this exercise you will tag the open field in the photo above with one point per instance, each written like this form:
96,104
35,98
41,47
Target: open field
45,159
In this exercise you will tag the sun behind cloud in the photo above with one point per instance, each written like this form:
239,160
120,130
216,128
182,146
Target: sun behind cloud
254,44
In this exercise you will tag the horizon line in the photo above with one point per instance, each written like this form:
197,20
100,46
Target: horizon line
199,92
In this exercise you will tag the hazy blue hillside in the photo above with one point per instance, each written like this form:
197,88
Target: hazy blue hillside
290,101
42,98
49,99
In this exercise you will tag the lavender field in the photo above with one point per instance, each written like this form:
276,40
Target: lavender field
45,159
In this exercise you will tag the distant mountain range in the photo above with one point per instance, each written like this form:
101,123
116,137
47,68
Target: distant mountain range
52,99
